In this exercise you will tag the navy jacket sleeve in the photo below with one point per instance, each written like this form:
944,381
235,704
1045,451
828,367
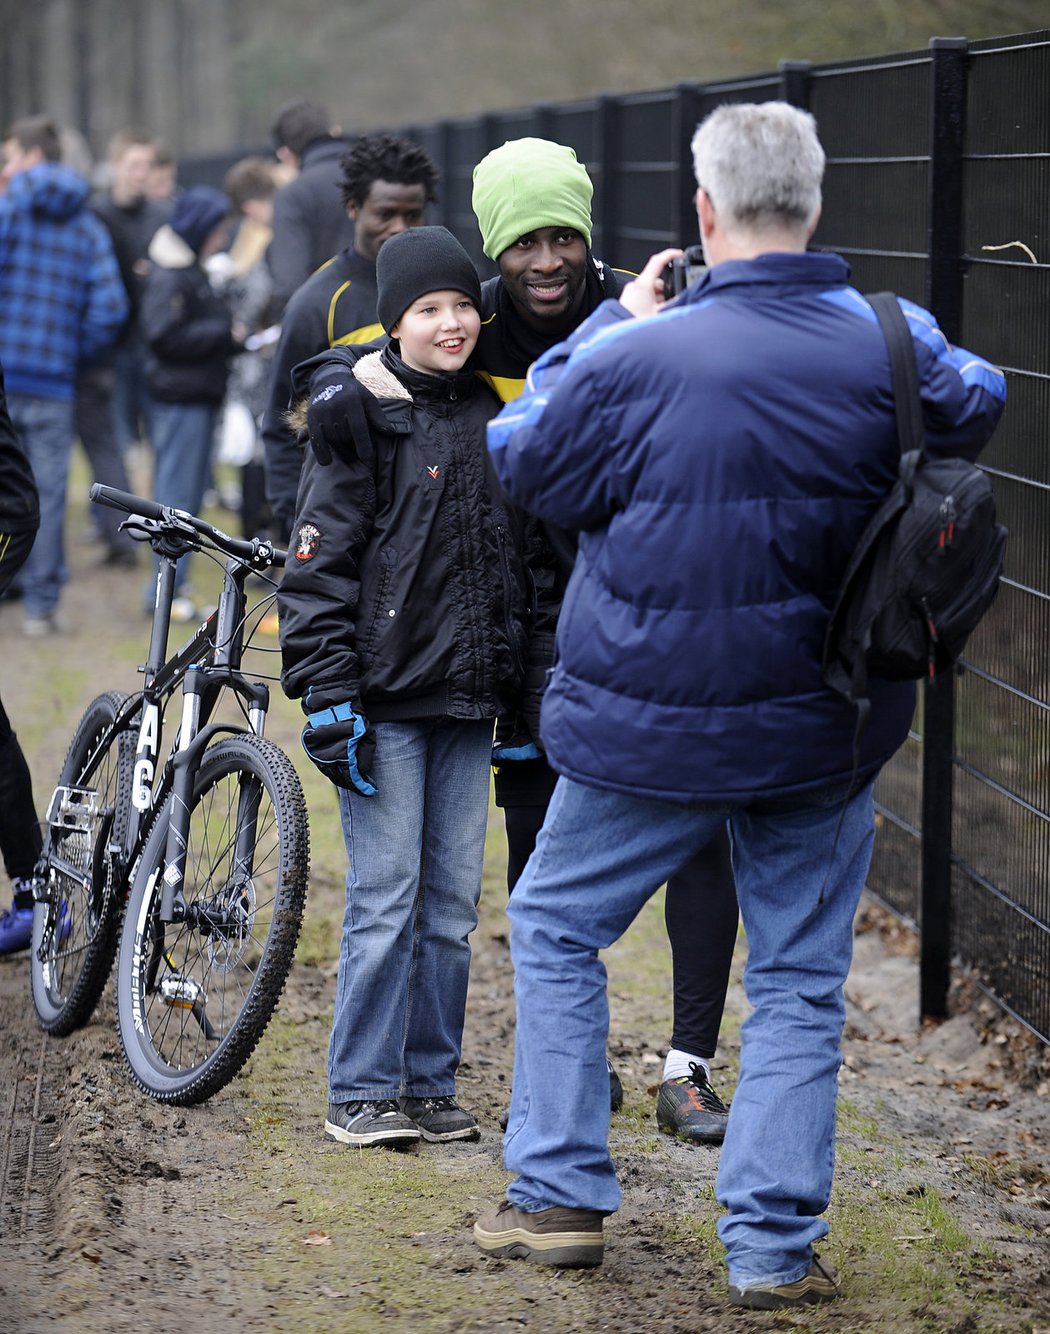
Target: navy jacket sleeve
557,448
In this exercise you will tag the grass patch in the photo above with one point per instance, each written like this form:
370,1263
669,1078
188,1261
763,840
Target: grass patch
357,1236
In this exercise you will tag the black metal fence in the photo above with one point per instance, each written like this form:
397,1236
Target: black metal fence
937,186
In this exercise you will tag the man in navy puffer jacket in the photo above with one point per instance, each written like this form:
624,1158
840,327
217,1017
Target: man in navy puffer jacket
720,459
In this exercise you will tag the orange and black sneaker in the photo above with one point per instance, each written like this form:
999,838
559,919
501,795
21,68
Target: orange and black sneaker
690,1109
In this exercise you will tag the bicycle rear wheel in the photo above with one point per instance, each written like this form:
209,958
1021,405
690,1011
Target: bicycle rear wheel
194,995
75,925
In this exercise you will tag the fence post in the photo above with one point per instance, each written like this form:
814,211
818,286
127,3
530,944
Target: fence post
684,227
944,298
795,81
608,156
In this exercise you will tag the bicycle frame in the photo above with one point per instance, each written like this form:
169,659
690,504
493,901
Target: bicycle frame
208,663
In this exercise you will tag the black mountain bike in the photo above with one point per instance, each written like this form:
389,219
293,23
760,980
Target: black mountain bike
202,855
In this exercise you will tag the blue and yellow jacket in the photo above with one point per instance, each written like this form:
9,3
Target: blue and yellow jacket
336,306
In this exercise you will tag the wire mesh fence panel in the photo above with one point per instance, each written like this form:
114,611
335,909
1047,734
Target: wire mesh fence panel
950,207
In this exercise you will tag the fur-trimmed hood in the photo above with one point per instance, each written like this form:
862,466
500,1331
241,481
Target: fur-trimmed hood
169,251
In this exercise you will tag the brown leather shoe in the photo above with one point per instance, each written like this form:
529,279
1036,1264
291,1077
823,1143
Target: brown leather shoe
568,1238
818,1284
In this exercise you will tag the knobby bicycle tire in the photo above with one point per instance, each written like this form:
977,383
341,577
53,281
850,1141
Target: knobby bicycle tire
194,996
75,927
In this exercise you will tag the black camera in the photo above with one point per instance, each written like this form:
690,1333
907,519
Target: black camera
684,270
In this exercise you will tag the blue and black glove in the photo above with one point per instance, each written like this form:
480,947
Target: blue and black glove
342,745
515,748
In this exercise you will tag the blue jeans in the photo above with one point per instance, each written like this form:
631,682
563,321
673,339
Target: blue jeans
46,428
800,867
182,443
412,891
132,405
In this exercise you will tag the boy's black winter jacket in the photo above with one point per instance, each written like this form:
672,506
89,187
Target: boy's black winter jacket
404,589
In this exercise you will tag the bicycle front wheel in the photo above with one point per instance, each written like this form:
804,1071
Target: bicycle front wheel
75,925
194,995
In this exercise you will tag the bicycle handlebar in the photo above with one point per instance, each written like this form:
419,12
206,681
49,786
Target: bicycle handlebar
241,548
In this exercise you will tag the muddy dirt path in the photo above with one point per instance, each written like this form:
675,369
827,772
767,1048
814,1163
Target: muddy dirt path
117,1212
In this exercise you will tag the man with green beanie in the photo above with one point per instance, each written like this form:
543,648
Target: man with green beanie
532,200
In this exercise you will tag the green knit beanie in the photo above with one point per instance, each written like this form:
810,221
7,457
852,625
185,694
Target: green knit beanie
527,184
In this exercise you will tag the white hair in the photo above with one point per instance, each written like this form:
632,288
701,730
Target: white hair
760,165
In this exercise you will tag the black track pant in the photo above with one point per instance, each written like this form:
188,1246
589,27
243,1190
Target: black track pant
20,839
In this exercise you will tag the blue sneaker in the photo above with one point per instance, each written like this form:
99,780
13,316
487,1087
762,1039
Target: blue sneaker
16,929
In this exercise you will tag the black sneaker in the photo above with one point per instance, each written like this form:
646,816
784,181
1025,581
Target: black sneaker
689,1108
376,1122
567,1238
615,1088
817,1284
439,1119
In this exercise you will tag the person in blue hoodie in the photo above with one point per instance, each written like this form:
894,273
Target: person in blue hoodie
719,459
62,302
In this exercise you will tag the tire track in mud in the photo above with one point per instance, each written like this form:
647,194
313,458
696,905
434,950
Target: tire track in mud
31,1150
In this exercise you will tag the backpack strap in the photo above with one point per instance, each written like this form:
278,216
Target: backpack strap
910,430
911,439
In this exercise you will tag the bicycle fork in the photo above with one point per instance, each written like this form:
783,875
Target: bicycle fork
186,765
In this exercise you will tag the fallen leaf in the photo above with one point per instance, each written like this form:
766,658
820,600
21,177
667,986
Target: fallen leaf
317,1239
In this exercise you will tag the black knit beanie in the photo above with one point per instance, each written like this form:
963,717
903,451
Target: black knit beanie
420,260
197,212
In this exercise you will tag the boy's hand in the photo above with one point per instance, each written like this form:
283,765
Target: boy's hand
328,412
343,746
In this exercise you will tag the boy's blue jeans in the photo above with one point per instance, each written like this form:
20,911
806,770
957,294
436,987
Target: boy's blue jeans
412,890
800,866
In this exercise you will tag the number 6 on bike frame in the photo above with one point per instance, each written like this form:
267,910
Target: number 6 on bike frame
214,842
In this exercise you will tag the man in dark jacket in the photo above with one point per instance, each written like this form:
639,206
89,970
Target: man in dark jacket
112,405
533,203
309,221
718,459
61,303
385,187
132,220
20,840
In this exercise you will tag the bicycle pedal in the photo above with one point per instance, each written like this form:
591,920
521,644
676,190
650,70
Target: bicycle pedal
180,992
73,809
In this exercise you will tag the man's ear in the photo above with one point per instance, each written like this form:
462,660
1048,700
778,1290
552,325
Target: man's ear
704,212
813,224
352,210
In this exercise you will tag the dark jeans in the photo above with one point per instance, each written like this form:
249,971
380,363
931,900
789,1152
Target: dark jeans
701,914
20,839
96,427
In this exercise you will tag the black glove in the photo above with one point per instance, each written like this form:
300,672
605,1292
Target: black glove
333,402
537,670
341,414
342,745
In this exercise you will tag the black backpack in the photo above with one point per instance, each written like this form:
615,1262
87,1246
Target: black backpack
927,566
